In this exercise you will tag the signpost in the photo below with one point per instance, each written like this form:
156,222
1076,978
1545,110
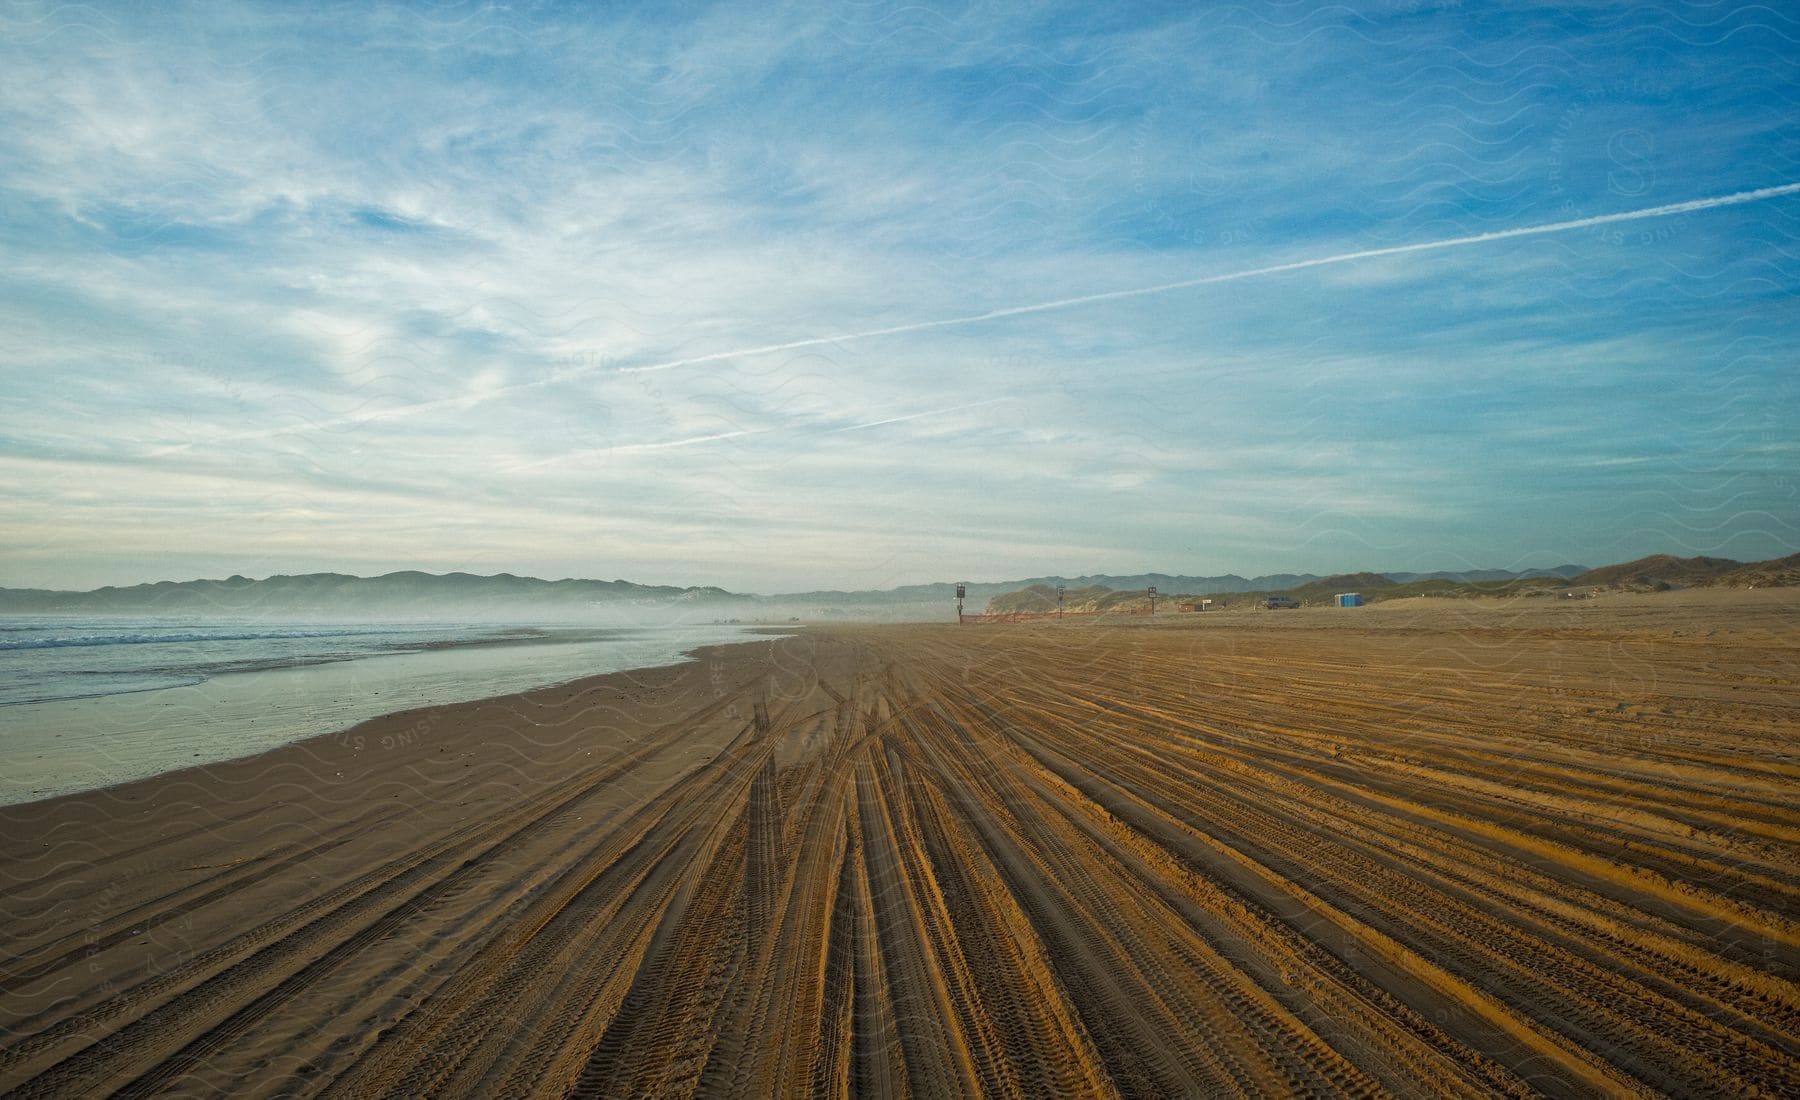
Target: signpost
1153,599
959,601
1059,601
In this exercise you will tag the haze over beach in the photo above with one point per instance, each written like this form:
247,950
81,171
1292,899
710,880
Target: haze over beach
899,550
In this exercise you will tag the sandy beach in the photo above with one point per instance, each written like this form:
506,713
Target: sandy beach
1450,847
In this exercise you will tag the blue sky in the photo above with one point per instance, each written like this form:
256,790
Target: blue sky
543,289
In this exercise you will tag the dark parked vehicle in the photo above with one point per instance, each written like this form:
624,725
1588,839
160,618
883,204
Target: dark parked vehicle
1279,603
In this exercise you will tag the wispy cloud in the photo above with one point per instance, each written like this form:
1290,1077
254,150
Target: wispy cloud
677,296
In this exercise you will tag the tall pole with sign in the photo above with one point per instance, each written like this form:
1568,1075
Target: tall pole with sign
1059,601
959,601
1153,599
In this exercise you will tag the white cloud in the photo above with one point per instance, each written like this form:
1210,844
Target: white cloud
920,289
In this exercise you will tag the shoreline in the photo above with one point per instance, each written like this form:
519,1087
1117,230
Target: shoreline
229,843
394,732
379,721
202,673
71,745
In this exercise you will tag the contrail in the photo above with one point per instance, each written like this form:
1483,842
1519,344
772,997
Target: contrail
633,448
572,373
691,441
915,416
1232,276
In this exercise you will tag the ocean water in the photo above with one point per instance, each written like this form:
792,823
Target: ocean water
89,702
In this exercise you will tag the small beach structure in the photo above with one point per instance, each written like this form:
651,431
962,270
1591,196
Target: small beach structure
1349,599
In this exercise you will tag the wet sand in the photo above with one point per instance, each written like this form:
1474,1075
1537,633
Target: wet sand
1468,848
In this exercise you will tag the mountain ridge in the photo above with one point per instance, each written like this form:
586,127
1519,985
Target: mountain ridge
416,592
412,591
1657,572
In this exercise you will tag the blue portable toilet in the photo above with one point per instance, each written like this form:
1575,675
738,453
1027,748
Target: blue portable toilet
1349,599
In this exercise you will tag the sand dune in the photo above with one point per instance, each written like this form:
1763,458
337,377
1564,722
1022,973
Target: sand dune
1419,853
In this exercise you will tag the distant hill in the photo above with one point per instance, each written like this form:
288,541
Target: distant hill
1477,575
415,594
1660,571
1175,582
410,593
1777,573
938,594
1365,583
1042,597
406,593
1656,573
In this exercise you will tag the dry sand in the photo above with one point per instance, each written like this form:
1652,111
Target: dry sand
1483,847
